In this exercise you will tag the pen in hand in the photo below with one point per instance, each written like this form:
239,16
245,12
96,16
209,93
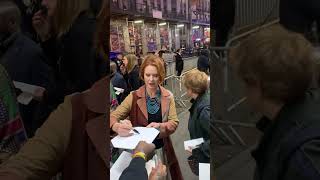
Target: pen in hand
136,131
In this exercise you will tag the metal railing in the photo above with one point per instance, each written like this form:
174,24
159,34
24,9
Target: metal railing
179,91
229,89
255,12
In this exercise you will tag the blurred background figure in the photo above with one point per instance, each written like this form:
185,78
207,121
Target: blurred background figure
25,62
179,62
66,30
132,72
203,61
12,132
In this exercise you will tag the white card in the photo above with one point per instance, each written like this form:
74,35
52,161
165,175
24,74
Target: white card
204,171
24,87
146,134
24,98
193,143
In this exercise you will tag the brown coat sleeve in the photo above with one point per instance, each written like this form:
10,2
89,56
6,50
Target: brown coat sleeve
41,157
122,110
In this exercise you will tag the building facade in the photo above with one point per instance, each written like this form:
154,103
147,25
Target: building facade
142,26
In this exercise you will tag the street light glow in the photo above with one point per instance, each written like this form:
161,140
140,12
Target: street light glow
180,25
138,21
195,27
162,24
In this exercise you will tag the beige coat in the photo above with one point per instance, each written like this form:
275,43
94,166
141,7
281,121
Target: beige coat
168,108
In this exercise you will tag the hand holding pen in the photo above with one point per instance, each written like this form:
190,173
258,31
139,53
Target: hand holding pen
123,128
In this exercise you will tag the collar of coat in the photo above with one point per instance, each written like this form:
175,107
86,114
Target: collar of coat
165,101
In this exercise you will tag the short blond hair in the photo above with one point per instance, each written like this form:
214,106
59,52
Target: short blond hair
196,81
280,60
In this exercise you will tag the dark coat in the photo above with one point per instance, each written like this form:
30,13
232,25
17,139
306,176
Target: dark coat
303,162
73,58
25,62
135,170
199,126
179,62
298,16
134,81
119,82
203,64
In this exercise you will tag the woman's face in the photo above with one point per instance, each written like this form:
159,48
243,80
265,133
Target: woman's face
125,62
151,77
51,5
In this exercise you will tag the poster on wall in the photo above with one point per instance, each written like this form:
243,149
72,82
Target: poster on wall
117,38
114,39
164,38
151,39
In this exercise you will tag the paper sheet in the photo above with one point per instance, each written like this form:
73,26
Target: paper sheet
146,134
204,171
123,162
24,98
118,90
193,143
28,88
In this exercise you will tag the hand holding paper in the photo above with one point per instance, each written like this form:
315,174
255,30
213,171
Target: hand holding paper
193,144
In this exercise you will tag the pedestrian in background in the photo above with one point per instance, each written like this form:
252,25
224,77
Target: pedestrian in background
179,62
66,30
203,61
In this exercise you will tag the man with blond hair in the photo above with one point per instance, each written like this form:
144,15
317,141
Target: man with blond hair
276,67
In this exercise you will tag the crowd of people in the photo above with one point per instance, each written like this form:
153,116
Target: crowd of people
59,47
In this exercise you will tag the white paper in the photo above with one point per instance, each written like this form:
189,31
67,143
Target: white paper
24,98
204,171
118,90
28,88
123,162
146,134
193,143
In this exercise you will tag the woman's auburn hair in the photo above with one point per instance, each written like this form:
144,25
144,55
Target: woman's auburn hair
67,11
153,60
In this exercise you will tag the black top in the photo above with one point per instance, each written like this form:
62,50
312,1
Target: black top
303,162
158,119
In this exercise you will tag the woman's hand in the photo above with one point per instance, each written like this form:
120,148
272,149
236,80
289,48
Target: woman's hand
41,25
189,151
154,125
123,128
158,172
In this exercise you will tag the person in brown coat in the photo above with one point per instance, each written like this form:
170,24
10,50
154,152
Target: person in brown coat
72,140
150,106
